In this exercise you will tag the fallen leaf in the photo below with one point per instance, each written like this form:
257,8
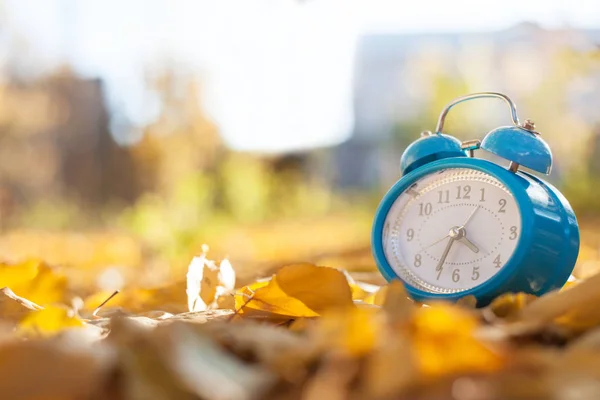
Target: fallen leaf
195,275
333,380
507,306
50,320
14,308
575,308
207,283
35,281
445,343
395,302
37,369
299,290
354,332
390,368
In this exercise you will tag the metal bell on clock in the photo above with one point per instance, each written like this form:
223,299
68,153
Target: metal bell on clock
521,145
429,147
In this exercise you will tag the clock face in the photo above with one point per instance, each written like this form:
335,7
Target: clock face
451,230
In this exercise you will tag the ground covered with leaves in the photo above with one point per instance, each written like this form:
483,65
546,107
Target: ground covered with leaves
305,332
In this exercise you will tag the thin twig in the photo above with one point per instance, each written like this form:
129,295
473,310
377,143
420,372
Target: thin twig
116,292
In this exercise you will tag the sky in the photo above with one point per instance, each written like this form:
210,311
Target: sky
277,74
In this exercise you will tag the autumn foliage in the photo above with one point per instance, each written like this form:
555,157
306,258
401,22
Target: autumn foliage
306,332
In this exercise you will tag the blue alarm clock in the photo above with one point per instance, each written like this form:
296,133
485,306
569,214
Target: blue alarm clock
455,225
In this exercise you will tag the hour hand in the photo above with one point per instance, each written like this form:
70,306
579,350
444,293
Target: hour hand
444,255
469,244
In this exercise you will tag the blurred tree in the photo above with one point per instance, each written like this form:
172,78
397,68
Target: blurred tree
55,145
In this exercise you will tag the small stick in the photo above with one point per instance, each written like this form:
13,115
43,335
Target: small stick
116,292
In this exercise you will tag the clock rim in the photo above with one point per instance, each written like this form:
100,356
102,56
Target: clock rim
509,271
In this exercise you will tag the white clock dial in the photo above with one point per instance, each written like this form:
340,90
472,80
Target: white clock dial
452,230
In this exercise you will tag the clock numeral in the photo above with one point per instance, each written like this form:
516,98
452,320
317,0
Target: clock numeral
502,203
425,209
417,262
497,261
410,234
482,198
466,192
444,196
455,275
475,275
513,233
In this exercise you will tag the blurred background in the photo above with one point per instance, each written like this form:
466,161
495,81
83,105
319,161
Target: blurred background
132,132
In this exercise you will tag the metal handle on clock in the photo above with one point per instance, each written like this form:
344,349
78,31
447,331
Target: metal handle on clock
480,95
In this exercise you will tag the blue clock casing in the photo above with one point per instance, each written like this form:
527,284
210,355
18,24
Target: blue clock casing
548,246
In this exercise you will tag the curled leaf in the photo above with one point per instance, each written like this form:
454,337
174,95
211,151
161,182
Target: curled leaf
14,308
299,290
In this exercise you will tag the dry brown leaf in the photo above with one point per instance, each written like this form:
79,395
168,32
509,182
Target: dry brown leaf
284,353
390,368
395,302
575,308
175,362
14,308
46,370
208,285
333,380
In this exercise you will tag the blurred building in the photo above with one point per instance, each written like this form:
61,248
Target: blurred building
402,83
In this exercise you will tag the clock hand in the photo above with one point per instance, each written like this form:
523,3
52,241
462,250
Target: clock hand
436,242
445,254
470,216
469,244
458,227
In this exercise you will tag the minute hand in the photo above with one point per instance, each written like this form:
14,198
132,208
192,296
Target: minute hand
470,216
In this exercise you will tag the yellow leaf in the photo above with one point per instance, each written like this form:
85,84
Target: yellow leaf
36,281
572,281
444,341
363,291
12,275
273,299
244,294
50,320
352,331
509,305
299,290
